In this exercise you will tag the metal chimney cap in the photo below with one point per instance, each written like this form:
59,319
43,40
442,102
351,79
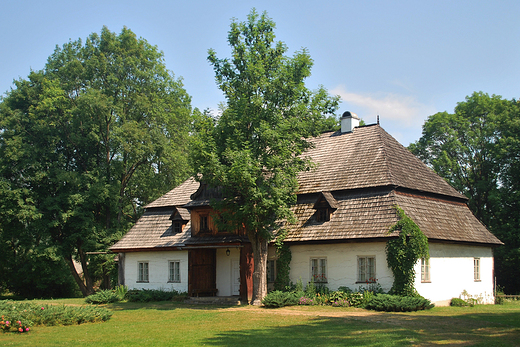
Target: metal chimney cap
348,114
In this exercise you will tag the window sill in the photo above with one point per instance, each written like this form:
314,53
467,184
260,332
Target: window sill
426,281
365,282
478,281
173,282
142,281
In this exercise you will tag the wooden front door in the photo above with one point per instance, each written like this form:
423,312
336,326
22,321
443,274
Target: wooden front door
202,272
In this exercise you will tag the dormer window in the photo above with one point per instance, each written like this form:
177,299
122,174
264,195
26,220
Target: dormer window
179,218
325,205
323,215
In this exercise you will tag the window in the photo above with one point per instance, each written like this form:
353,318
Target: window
476,269
425,270
322,215
203,223
142,275
319,270
174,272
271,270
177,227
366,269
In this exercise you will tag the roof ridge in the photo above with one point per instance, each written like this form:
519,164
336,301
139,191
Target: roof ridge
383,146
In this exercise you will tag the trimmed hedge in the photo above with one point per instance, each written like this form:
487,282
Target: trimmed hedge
147,295
394,303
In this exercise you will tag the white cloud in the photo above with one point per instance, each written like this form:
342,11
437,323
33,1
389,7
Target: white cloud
403,109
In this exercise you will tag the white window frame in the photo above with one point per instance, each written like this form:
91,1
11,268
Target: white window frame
174,271
318,269
365,275
476,269
143,271
425,270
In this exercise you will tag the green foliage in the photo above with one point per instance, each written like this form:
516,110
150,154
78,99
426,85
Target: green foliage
102,297
147,295
283,262
403,252
121,291
459,302
476,150
396,303
278,298
84,144
31,314
253,151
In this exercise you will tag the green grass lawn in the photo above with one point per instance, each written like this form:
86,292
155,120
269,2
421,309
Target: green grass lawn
175,324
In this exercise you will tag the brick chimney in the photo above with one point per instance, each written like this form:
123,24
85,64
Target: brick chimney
349,120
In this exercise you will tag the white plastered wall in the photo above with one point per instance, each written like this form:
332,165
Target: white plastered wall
451,268
157,270
451,273
341,263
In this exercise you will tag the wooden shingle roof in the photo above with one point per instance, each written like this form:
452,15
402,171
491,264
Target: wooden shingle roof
153,231
178,196
361,175
368,157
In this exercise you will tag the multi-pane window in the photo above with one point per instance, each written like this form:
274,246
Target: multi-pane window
142,275
177,227
174,271
425,270
366,269
271,270
319,270
203,223
476,269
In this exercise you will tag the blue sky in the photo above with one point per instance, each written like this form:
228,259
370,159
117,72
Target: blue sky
403,60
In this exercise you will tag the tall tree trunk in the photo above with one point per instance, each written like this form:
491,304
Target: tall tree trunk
85,291
260,250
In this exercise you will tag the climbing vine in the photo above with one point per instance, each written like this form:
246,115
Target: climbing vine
283,252
403,252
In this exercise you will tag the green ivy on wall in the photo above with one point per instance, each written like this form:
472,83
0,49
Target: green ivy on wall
403,252
283,268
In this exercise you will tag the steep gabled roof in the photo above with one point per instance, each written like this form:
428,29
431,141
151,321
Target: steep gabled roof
362,175
178,196
368,157
153,231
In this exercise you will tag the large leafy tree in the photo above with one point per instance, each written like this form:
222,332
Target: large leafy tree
253,151
88,140
477,149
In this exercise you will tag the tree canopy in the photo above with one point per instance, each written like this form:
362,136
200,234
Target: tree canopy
254,150
477,149
84,143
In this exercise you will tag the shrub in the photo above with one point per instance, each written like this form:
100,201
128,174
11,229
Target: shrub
146,295
459,302
340,303
23,315
394,303
280,299
306,301
121,291
102,297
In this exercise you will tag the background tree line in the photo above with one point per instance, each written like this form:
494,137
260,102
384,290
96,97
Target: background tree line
84,143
